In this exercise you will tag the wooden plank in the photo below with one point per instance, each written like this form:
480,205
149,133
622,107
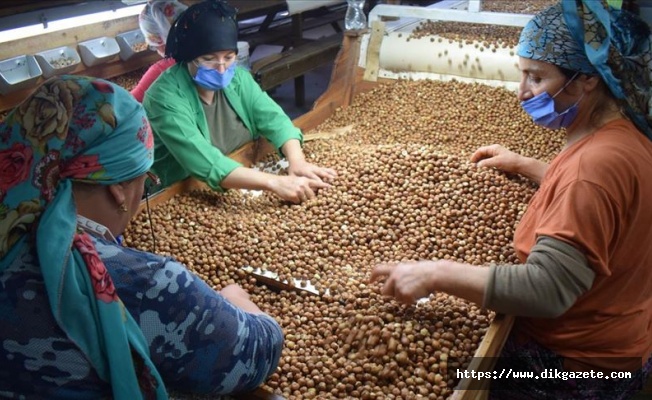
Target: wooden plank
330,101
449,14
343,131
258,394
69,37
298,61
256,8
373,51
282,34
485,358
166,194
341,87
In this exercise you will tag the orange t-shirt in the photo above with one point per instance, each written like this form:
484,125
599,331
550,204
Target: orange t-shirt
597,196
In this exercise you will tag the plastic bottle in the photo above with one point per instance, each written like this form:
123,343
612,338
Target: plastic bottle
355,18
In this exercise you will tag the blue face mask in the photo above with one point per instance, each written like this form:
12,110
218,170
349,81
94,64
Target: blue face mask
542,110
212,79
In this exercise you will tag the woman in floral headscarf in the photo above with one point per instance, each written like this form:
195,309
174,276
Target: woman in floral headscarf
583,295
82,317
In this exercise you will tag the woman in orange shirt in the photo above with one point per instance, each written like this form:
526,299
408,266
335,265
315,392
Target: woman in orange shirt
583,294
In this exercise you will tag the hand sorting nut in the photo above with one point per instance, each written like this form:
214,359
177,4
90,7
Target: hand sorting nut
407,282
497,156
412,280
296,189
312,171
239,297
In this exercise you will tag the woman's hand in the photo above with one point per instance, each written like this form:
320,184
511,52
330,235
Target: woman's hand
312,171
292,188
496,156
234,291
240,298
410,281
296,189
300,167
406,282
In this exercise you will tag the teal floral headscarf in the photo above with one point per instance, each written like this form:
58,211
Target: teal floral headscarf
85,129
591,37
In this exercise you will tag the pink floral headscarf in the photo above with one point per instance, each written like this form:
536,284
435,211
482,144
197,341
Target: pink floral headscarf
156,19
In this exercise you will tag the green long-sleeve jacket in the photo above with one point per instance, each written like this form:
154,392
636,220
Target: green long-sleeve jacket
182,139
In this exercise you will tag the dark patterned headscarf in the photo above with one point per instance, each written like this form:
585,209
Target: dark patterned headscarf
593,38
75,128
204,28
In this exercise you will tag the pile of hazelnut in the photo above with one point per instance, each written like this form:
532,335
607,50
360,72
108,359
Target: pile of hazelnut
138,47
406,190
486,36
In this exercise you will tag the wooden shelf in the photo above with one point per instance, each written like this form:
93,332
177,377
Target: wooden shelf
297,61
104,71
72,37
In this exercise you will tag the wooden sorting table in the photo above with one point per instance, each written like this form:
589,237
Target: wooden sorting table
347,81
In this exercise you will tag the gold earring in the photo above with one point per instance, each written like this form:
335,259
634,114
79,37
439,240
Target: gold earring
123,207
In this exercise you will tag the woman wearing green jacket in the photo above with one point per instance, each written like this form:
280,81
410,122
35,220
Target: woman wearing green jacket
206,106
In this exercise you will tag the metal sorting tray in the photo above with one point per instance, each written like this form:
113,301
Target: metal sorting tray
18,73
299,285
58,61
99,51
131,43
272,279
